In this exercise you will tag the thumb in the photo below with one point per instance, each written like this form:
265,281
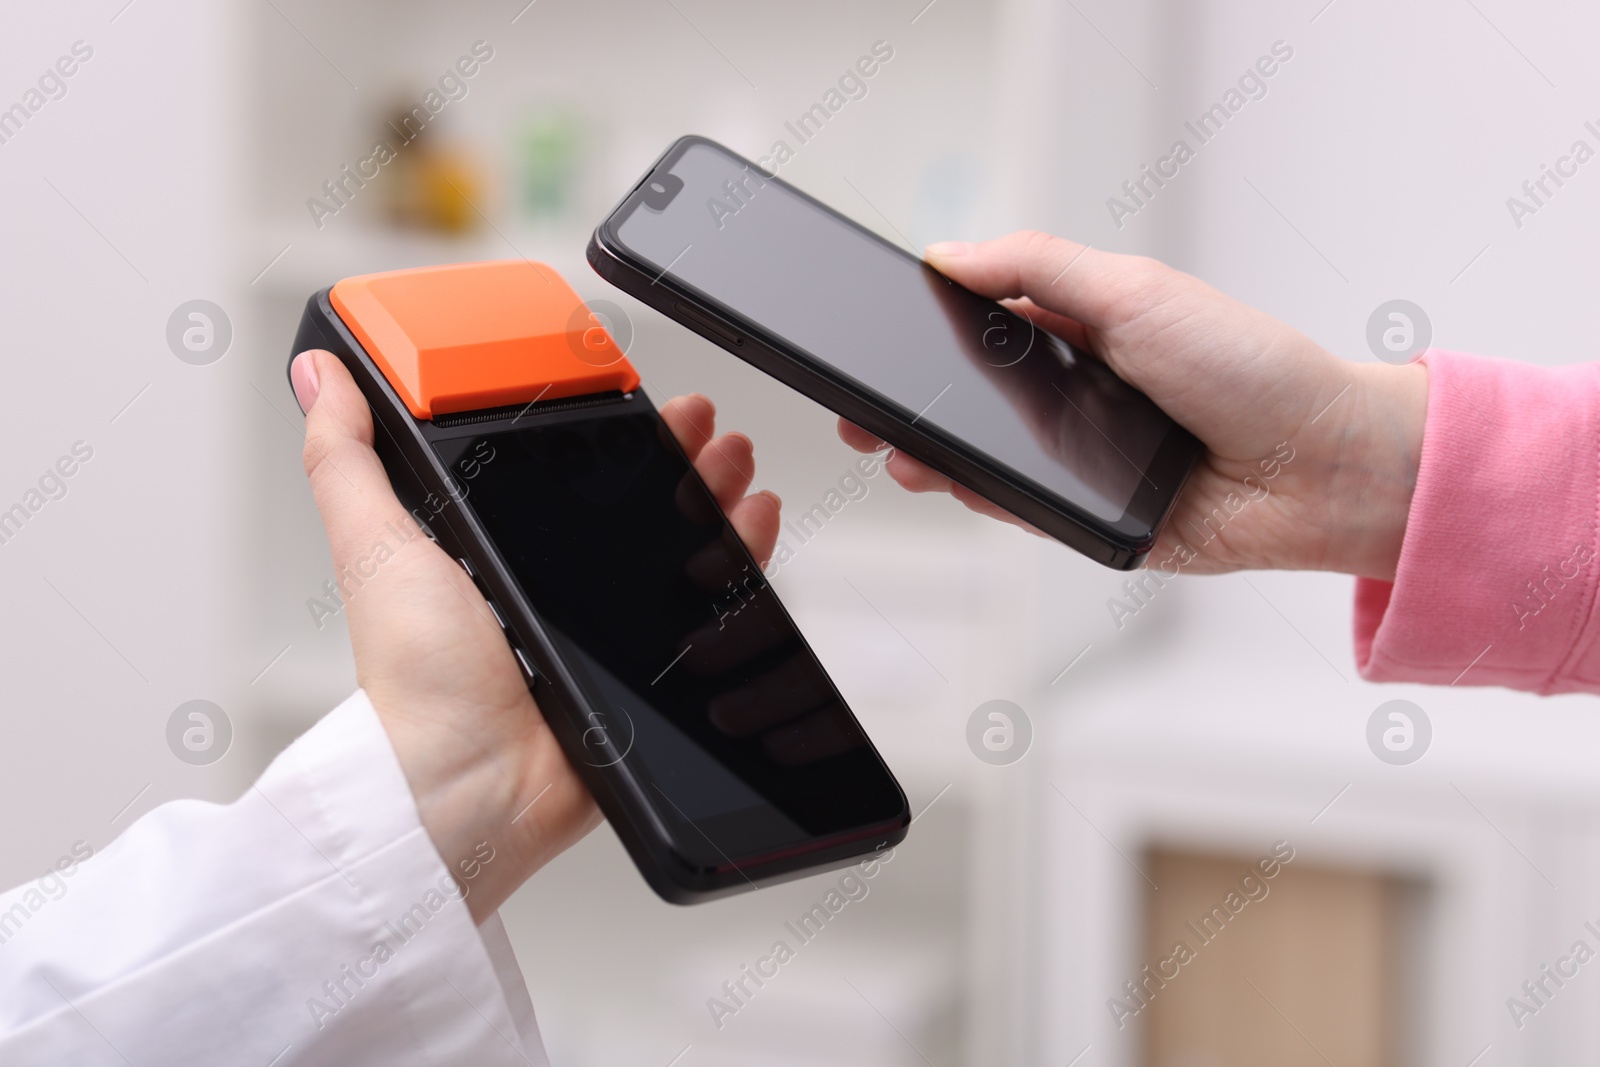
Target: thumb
1093,287
347,479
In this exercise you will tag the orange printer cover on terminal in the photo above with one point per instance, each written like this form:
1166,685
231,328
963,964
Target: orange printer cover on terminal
481,335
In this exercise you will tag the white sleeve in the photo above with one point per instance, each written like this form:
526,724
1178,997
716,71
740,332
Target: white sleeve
311,921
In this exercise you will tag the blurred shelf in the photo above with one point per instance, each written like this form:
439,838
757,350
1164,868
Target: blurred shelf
299,261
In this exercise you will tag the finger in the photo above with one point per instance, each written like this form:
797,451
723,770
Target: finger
692,420
755,519
986,507
727,464
347,479
859,439
1059,275
1069,330
916,476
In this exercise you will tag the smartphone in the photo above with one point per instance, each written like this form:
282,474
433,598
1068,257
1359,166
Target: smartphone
867,329
517,435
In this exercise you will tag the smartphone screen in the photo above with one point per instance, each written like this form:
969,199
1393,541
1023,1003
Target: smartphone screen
716,702
953,362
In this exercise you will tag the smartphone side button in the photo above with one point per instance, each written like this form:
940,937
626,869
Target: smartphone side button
707,322
466,566
496,613
527,668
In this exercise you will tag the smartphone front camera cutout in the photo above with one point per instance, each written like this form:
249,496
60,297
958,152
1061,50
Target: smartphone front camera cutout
659,190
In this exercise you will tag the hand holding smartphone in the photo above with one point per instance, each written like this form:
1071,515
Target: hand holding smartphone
961,382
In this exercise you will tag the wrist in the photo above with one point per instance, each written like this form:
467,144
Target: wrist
495,813
465,807
1377,464
466,800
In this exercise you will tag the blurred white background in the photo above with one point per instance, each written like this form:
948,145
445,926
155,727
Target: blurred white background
1221,719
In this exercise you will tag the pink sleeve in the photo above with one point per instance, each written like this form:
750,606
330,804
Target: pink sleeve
1497,577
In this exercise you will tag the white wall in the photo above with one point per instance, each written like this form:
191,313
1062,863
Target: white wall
121,599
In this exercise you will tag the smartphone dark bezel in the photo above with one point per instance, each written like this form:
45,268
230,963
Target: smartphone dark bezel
1122,544
405,445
